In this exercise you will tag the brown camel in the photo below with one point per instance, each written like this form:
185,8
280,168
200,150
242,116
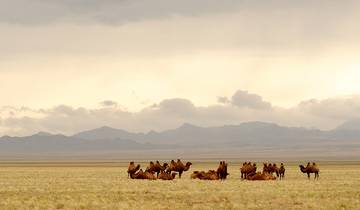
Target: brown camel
178,167
160,168
143,175
222,170
309,169
156,168
151,167
166,175
269,168
132,168
247,168
281,171
260,176
202,175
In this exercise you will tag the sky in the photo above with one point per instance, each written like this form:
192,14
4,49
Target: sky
140,65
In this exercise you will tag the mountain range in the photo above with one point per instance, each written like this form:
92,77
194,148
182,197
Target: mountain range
259,138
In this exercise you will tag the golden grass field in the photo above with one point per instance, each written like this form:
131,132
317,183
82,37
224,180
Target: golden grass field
106,186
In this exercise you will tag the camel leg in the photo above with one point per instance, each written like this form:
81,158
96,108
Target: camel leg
308,175
180,172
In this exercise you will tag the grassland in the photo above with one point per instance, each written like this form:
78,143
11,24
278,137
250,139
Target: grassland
106,186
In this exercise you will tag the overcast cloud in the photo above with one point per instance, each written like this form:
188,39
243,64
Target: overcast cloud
172,113
155,64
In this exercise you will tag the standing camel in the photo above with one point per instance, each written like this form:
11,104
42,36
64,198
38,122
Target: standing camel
179,167
247,168
309,169
281,171
222,170
156,168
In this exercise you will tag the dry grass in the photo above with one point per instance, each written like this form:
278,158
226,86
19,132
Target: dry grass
109,188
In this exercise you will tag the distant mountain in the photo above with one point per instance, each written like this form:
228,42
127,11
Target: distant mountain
104,132
244,137
353,124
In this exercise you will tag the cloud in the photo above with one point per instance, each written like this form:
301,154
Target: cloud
223,100
123,11
108,103
171,113
345,107
105,11
246,99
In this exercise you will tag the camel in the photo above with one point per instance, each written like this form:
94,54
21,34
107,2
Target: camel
156,168
309,169
132,168
260,176
247,168
270,169
166,175
178,167
151,167
143,175
281,171
222,170
202,175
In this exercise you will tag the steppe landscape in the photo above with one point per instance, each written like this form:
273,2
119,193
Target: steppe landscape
105,185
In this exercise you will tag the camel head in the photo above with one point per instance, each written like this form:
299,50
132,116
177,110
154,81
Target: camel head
302,168
132,162
187,166
165,165
137,167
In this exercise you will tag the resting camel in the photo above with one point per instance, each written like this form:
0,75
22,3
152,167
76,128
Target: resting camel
156,168
309,169
178,167
260,176
247,168
132,168
166,175
143,175
202,175
151,167
222,170
281,171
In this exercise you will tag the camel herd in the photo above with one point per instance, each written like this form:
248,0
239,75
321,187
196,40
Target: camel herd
248,171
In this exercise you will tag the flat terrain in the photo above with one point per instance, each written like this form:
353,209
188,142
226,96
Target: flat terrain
106,186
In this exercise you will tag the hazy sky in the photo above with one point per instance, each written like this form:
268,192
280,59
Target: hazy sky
214,61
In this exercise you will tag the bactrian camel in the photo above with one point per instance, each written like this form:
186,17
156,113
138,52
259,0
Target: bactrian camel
309,169
132,168
178,167
247,168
